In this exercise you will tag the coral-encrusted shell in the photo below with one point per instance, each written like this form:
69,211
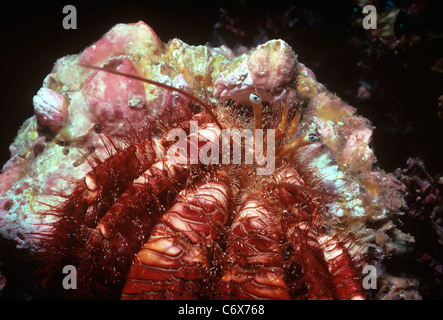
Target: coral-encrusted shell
50,108
346,134
264,70
112,98
137,40
272,65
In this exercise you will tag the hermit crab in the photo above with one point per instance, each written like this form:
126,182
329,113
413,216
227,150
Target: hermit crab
228,233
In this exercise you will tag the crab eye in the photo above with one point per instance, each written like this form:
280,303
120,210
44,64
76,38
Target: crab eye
255,98
313,137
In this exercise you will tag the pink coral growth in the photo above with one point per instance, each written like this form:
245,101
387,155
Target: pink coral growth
122,40
112,98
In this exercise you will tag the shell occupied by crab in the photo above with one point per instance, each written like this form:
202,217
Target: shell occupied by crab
104,193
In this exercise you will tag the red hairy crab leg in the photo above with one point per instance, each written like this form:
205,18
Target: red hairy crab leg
103,255
345,275
109,178
90,200
297,225
160,84
157,178
254,258
102,260
342,273
175,262
308,253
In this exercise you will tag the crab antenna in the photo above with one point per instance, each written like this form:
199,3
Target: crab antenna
159,84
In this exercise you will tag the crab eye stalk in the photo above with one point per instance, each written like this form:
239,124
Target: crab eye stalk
255,98
257,107
300,142
312,137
